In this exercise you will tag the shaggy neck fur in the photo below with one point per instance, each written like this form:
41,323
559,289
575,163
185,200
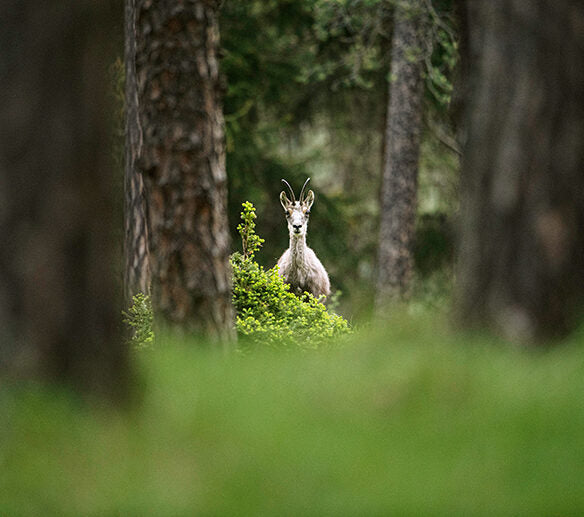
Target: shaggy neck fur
297,248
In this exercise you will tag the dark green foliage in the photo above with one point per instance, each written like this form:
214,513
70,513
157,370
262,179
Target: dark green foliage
442,53
140,319
267,313
434,246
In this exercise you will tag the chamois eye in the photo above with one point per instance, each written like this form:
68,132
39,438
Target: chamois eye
307,212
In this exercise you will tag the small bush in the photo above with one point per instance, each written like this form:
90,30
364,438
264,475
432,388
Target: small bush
139,318
267,313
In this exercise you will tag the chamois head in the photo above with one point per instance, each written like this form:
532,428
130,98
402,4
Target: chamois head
297,212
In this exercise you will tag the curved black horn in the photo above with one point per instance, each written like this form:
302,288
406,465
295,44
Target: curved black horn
290,189
302,191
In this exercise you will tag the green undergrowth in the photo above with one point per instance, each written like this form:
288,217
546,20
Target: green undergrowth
267,313
139,320
409,419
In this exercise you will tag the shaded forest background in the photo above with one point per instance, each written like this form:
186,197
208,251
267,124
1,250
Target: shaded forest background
306,95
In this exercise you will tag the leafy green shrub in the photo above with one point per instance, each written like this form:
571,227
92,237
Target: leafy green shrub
139,318
267,313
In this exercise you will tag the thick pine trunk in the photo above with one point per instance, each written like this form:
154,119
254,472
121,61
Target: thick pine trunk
183,159
400,166
521,258
59,313
136,248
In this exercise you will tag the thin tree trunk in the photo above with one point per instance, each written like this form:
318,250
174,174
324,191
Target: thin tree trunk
136,248
183,159
400,167
59,316
520,259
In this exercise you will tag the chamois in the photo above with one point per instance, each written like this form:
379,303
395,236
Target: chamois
299,265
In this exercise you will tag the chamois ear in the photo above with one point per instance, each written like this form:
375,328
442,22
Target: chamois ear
309,199
284,201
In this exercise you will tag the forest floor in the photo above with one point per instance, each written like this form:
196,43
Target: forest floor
411,420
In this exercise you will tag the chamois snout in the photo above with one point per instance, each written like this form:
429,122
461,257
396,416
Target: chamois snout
297,220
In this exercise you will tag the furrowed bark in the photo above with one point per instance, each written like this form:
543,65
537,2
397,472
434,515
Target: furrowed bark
136,247
183,160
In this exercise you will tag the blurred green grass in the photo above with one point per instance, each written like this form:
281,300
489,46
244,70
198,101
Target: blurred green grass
412,419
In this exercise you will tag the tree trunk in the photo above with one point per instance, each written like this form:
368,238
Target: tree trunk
59,316
183,159
400,168
520,258
136,249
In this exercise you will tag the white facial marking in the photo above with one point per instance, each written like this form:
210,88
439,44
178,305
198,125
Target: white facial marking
297,220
